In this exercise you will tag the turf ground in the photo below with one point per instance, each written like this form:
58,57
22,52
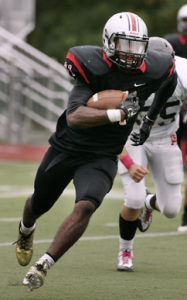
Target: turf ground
88,270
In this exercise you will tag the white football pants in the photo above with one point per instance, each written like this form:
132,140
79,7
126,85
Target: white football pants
164,160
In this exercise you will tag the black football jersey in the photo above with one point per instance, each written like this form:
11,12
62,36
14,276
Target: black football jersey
179,44
93,72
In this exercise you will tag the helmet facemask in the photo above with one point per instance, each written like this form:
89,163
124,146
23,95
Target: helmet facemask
129,52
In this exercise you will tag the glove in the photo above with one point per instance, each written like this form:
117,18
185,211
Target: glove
130,105
141,137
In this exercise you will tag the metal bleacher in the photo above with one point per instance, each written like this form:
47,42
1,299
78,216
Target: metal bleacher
34,88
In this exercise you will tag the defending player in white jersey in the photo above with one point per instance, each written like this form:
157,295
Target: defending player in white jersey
161,153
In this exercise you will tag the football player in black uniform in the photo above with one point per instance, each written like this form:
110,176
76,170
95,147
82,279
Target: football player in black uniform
179,43
179,40
86,143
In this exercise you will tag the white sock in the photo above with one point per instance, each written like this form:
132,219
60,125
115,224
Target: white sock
147,201
48,258
125,245
25,229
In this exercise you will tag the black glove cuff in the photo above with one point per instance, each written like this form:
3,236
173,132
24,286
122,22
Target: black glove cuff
126,113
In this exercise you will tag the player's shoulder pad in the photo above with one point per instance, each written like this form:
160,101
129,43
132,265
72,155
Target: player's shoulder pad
159,65
84,62
181,68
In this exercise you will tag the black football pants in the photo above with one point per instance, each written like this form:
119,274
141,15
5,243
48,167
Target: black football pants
92,176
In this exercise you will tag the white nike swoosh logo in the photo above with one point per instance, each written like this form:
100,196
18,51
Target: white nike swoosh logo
139,84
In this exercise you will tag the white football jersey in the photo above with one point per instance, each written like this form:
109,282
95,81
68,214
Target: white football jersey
167,122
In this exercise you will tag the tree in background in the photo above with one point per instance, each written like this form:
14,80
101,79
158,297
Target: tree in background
64,24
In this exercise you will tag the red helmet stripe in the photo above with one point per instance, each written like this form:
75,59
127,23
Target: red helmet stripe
133,22
74,60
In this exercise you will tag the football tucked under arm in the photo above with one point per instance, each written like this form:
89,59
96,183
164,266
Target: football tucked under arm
114,101
108,99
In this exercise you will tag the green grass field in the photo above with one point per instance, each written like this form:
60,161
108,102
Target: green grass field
88,270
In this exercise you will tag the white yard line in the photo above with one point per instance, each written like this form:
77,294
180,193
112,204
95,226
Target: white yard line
9,219
18,191
109,237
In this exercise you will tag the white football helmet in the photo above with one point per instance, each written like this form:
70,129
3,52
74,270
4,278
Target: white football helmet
125,40
161,45
181,18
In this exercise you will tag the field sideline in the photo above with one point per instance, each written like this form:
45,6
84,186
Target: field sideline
88,270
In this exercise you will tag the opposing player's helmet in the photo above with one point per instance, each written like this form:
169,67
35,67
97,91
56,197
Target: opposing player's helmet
125,40
181,18
161,45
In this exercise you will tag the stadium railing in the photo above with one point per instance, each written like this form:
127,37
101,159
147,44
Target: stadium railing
34,89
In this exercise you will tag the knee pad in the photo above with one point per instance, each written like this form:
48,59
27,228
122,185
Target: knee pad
169,213
135,195
172,209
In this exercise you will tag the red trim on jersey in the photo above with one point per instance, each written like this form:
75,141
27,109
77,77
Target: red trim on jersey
107,60
182,39
143,67
133,20
75,61
171,70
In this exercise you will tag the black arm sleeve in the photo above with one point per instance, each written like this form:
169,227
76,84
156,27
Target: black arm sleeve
161,96
79,96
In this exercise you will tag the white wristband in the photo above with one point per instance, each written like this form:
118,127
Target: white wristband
114,115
